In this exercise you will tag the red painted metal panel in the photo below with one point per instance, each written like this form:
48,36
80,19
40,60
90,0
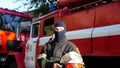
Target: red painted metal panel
108,14
6,11
104,15
79,20
65,3
106,46
100,45
84,45
114,44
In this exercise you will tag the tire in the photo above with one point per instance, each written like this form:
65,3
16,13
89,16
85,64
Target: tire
12,65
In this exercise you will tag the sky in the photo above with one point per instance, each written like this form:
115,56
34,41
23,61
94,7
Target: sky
12,5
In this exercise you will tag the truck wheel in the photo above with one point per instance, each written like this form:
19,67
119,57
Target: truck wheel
12,65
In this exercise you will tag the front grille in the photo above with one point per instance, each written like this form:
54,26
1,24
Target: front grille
13,45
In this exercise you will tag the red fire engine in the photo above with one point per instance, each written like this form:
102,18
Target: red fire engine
14,32
94,27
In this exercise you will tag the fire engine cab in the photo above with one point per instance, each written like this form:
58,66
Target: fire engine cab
14,32
94,27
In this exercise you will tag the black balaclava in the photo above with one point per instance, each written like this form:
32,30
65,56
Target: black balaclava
60,35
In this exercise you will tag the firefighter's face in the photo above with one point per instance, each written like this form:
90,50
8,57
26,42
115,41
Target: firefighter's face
58,29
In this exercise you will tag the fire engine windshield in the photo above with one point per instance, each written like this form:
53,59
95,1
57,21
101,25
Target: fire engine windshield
11,22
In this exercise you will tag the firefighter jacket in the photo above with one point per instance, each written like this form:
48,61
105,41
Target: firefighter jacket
53,51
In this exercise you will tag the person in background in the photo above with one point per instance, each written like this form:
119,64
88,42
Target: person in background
54,50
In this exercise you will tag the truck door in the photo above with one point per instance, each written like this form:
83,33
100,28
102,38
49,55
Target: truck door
47,30
30,52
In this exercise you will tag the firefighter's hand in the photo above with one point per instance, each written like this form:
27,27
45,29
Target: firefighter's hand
57,65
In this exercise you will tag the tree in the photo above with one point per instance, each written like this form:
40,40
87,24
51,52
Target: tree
40,6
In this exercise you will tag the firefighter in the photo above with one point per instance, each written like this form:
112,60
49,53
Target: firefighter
53,50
